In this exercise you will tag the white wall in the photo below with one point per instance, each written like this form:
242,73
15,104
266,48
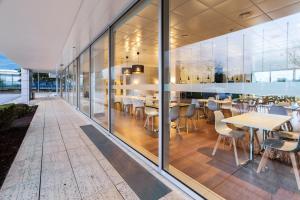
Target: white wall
24,86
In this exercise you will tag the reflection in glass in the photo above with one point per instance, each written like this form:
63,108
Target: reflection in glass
99,80
227,60
84,82
135,79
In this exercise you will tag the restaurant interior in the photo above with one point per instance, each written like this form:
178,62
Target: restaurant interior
233,92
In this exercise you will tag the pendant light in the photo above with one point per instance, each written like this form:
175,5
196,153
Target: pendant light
126,70
138,69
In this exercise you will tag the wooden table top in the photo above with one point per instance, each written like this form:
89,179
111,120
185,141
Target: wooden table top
258,120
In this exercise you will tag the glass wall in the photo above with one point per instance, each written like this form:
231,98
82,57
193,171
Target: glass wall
84,82
43,82
134,72
230,98
75,83
99,80
10,80
236,60
72,83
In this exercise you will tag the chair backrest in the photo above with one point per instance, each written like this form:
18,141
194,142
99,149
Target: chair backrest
278,110
174,113
126,101
234,112
137,103
219,125
212,105
149,100
196,102
190,110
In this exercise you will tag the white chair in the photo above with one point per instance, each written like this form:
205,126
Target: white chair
127,104
150,113
174,117
225,132
200,107
138,107
291,147
189,116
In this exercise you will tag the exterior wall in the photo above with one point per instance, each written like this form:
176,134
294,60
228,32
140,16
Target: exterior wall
25,89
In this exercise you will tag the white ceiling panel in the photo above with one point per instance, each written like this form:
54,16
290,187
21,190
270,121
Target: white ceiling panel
33,32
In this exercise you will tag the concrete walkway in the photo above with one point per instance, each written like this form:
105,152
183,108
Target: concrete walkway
58,161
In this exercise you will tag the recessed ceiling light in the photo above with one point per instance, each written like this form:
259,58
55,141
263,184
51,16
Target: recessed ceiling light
245,15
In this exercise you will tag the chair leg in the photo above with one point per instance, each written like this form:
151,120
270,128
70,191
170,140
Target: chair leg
187,125
195,126
244,148
295,167
263,161
177,127
147,121
216,145
152,123
235,152
257,140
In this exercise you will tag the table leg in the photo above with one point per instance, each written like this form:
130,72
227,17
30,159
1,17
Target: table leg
251,155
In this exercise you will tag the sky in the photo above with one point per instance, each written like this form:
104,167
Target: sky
6,63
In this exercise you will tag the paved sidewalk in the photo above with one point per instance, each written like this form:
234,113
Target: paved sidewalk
58,161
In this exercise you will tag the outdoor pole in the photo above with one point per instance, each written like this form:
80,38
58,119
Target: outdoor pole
38,76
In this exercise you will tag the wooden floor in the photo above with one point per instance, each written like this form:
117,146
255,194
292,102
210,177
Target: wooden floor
192,155
57,161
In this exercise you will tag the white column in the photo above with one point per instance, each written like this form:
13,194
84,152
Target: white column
24,86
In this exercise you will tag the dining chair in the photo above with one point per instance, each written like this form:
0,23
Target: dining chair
189,116
151,113
252,105
127,104
138,107
174,117
199,107
226,106
225,132
211,107
281,110
290,147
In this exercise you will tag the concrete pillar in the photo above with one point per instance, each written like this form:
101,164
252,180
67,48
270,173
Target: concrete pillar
25,86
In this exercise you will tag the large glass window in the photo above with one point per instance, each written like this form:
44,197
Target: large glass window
233,71
84,92
134,77
99,80
75,83
72,83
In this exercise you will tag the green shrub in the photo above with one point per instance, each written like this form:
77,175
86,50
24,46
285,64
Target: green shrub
7,115
21,110
10,112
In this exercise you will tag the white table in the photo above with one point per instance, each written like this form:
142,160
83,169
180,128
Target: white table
218,102
257,120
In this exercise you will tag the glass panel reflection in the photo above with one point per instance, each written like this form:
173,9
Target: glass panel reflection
234,98
135,79
84,82
99,80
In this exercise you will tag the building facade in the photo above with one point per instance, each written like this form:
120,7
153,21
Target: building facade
156,77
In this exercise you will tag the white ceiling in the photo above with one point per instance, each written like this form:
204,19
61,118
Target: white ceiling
38,34
41,34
